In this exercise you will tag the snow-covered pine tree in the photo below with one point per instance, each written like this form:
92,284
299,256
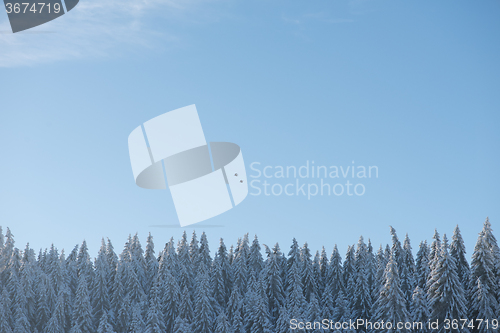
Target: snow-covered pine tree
240,264
104,324
348,272
255,262
83,263
307,275
57,322
186,310
283,323
483,301
217,283
372,271
133,283
137,324
342,311
151,263
420,312
422,267
293,256
445,291
260,312
82,313
326,306
194,253
317,275
112,259
222,325
457,251
495,253
171,298
295,297
7,252
273,284
30,271
334,282
407,274
391,305
204,311
182,326
237,323
435,249
43,296
314,313
482,298
169,261
154,318
138,264
122,316
184,259
21,324
5,312
362,301
324,268
100,298
204,256
72,270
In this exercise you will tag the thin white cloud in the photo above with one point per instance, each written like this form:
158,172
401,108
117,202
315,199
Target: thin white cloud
95,28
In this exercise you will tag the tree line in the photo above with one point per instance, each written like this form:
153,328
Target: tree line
248,288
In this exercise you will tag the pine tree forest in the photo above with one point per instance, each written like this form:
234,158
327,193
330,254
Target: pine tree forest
185,287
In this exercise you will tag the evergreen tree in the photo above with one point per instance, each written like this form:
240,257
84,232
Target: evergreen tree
182,326
21,324
283,323
420,312
324,268
391,305
204,312
446,294
100,297
422,267
57,322
222,325
104,325
293,257
362,294
186,306
255,262
5,313
349,272
272,279
240,264
204,256
334,282
171,298
483,301
137,324
82,313
308,282
151,263
457,251
154,320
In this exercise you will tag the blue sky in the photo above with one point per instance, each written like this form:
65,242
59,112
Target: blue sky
409,86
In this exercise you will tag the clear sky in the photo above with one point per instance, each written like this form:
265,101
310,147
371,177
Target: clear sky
412,87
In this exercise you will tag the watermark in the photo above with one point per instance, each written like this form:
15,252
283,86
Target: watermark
363,324
25,14
310,180
205,179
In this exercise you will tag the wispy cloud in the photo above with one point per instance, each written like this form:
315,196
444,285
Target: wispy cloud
95,28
